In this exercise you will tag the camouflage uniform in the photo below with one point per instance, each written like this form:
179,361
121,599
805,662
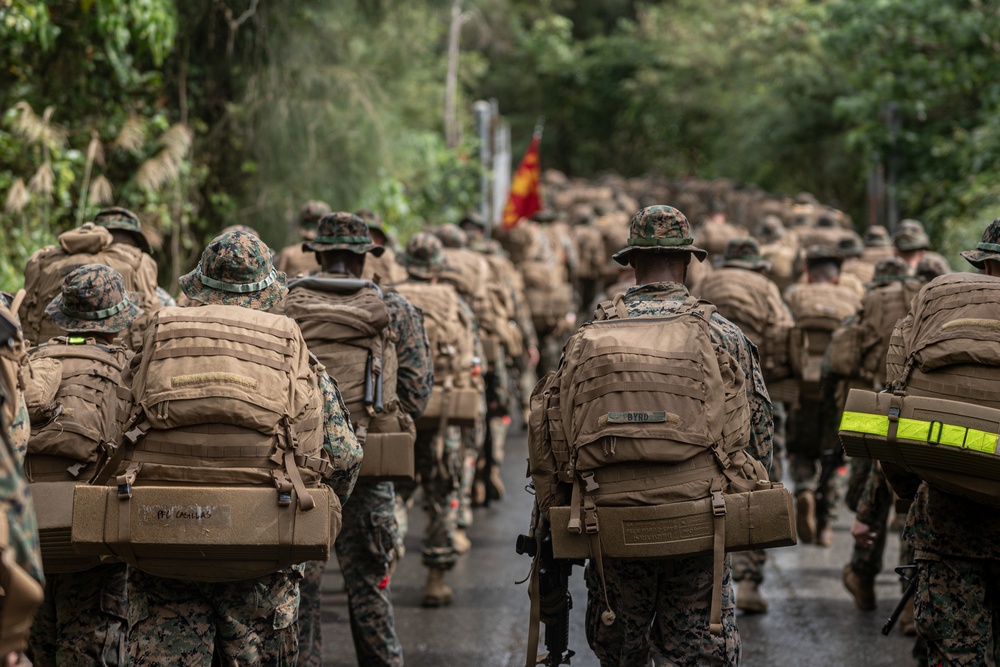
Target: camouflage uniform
438,455
672,614
252,621
366,547
83,618
15,497
957,603
295,259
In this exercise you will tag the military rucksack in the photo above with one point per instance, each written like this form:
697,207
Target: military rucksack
295,261
749,300
345,323
455,396
89,244
68,435
647,422
470,273
549,296
218,475
818,308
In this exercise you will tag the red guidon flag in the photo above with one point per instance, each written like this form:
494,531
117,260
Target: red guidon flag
525,191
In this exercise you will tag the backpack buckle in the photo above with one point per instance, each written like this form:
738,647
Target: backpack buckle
718,503
590,484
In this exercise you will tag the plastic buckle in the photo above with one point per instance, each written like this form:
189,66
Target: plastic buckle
718,503
894,414
589,481
590,520
124,490
284,498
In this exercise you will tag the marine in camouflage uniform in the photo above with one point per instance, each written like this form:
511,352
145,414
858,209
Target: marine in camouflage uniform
294,259
957,602
83,620
15,498
366,547
438,456
664,605
176,622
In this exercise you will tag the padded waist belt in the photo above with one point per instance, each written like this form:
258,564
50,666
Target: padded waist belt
932,432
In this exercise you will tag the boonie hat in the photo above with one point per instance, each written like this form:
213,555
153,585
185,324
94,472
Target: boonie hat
745,254
309,216
424,256
988,248
236,270
659,229
822,253
889,269
877,236
343,231
92,298
452,236
124,219
911,238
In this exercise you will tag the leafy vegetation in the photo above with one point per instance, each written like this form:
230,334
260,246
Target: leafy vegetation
205,113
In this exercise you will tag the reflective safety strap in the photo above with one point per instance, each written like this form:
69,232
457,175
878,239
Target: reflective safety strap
918,430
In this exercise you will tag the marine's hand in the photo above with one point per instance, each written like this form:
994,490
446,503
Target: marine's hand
863,535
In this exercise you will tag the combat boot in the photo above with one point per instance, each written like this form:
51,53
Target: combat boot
436,592
805,516
861,588
824,534
461,542
749,598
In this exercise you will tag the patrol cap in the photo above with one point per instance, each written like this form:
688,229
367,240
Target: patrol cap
424,256
236,270
117,217
309,216
877,236
343,231
659,228
452,236
988,248
92,298
889,269
745,254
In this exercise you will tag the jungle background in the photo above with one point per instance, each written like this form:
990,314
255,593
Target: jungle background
204,113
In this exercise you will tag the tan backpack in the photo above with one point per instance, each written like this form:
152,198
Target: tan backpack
647,422
784,261
470,273
345,323
549,296
749,300
68,436
819,309
455,396
89,244
295,261
219,472
881,310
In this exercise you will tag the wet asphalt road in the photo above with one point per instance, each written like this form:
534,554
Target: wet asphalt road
812,620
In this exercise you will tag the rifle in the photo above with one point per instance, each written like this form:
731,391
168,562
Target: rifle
551,599
911,589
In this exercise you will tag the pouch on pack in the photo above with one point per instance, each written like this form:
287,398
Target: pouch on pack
647,425
219,473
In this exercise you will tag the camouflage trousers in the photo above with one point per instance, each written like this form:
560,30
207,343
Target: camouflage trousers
176,623
439,475
805,447
873,503
366,550
310,627
83,620
662,609
473,439
957,610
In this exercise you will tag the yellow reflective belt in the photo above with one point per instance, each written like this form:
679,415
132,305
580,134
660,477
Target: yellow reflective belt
918,430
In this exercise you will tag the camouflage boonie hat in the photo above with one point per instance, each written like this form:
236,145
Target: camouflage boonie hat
125,220
822,253
424,256
877,236
92,298
890,269
932,265
911,238
659,229
240,228
343,231
545,215
745,254
850,245
912,225
309,216
771,228
452,236
988,248
236,270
